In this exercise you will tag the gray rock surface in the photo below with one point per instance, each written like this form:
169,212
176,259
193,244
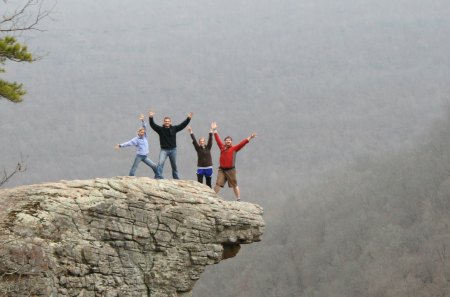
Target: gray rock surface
123,236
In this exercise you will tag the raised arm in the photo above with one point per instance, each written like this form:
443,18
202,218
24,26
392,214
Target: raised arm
216,135
142,118
209,144
194,141
240,145
183,124
154,126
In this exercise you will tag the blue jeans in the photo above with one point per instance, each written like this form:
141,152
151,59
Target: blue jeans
172,155
141,158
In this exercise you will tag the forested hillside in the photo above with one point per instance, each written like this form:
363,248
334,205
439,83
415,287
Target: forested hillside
340,93
377,228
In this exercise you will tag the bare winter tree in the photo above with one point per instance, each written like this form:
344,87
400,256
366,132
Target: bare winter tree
22,15
20,167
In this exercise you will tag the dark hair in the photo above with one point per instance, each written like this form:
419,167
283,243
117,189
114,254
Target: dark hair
227,138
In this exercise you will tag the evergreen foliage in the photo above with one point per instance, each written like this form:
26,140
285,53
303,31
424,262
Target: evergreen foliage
11,50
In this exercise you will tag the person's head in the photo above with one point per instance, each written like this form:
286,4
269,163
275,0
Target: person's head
167,122
141,132
228,141
201,141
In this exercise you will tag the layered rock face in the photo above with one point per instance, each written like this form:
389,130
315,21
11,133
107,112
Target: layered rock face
124,236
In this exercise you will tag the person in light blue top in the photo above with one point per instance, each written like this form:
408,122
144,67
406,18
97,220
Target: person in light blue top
141,144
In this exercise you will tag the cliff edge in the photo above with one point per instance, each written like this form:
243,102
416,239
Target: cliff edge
123,236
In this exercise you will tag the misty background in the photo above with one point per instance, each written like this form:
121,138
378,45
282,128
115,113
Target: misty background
349,100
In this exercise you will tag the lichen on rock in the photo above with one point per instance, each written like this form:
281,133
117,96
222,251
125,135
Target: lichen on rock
123,236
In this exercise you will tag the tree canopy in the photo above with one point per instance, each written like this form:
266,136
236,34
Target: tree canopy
17,17
12,50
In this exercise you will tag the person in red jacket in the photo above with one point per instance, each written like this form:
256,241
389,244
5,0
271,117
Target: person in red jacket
227,170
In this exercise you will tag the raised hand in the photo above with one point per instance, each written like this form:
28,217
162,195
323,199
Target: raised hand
251,136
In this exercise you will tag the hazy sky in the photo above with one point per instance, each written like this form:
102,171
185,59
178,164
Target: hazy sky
321,82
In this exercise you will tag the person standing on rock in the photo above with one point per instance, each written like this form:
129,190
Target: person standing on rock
227,170
168,142
141,143
204,160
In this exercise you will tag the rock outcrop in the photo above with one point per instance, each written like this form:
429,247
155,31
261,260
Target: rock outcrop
123,236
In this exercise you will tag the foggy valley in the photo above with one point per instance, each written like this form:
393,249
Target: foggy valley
350,101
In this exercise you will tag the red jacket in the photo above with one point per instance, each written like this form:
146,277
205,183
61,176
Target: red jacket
228,155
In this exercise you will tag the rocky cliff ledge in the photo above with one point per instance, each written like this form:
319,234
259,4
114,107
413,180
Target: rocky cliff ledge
123,236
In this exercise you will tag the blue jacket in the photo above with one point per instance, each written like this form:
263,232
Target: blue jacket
140,142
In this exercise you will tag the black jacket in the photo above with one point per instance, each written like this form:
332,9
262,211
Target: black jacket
167,136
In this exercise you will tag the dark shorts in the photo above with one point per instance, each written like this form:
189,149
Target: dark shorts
226,175
205,171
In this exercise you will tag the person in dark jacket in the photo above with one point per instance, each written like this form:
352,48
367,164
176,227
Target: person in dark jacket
168,142
204,159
